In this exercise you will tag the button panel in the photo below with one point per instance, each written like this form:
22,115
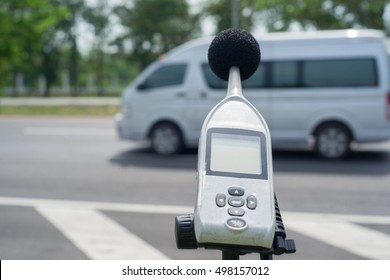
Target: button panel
237,199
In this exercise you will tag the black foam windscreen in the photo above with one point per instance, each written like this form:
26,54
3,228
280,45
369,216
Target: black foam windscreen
234,47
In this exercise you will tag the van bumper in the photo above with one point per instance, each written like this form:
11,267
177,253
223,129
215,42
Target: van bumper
119,125
124,129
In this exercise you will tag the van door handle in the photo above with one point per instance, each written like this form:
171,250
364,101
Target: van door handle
181,94
203,95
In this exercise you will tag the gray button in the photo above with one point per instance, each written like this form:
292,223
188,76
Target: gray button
236,201
236,223
236,191
220,200
251,202
236,211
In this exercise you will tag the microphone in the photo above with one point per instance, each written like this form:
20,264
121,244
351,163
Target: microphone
234,48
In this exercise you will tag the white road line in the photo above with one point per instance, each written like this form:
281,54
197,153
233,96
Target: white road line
98,236
335,229
69,131
339,231
318,217
105,206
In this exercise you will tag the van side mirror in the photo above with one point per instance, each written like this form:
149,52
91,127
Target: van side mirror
142,86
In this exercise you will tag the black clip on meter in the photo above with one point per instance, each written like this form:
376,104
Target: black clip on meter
236,210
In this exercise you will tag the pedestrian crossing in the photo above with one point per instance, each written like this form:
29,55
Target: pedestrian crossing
344,232
100,237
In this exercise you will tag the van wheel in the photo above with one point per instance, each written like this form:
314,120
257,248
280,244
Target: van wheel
166,139
333,141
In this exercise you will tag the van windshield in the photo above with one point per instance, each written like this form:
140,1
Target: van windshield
166,75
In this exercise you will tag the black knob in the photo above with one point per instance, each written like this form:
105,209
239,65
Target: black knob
185,232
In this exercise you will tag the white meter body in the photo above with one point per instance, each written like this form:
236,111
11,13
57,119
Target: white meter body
235,204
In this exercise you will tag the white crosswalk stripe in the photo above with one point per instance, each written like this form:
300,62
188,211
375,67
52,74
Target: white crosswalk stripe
342,231
99,237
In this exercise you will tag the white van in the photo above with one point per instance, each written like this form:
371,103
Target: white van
322,90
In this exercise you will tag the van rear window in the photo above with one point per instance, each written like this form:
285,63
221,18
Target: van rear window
359,72
339,73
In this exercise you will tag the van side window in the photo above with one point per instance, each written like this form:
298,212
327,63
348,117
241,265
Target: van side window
284,74
339,73
359,72
257,80
168,75
211,79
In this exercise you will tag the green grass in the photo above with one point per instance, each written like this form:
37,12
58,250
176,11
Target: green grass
59,110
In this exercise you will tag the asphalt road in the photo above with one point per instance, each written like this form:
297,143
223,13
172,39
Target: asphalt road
69,189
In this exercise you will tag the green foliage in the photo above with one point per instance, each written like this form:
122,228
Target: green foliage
40,37
221,11
156,26
323,14
26,28
281,15
98,17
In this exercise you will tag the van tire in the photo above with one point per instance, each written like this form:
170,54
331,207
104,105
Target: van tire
166,139
333,141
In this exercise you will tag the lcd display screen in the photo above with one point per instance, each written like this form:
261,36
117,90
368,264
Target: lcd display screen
231,153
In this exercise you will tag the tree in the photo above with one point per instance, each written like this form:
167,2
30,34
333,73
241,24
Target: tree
67,27
98,17
221,11
282,15
27,31
49,52
156,26
324,14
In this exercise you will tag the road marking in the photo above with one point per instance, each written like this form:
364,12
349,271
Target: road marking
69,131
98,236
340,231
337,230
104,206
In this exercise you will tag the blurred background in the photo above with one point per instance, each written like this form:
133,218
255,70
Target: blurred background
96,47
69,189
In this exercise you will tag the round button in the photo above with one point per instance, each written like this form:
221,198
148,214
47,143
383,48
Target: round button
220,200
236,191
251,202
236,223
236,211
236,201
